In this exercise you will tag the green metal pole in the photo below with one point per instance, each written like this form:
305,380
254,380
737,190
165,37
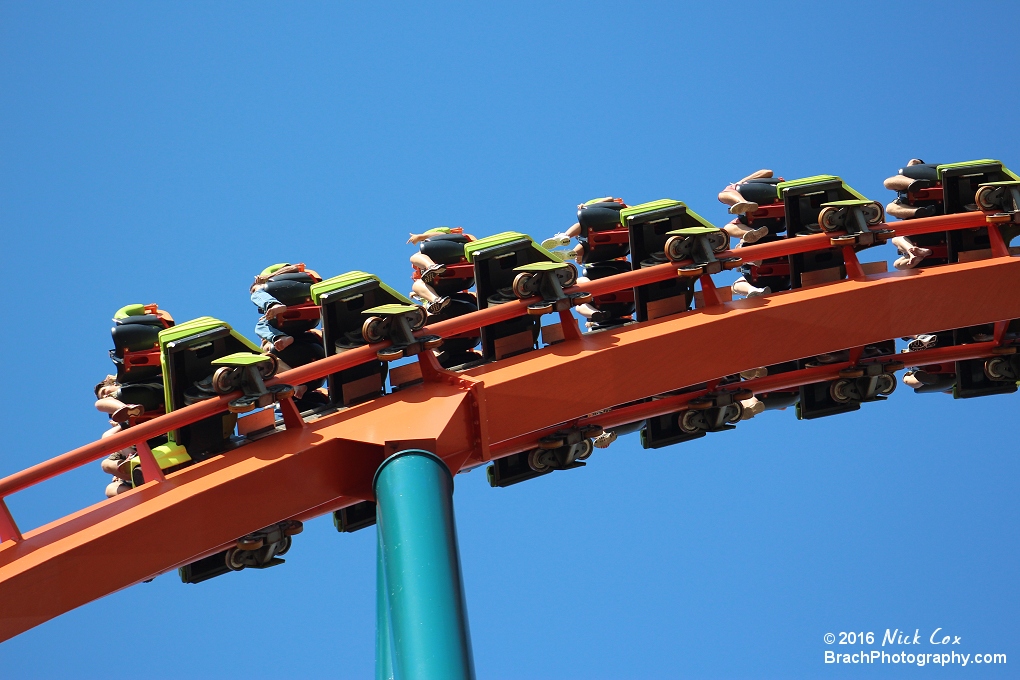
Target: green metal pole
418,539
383,634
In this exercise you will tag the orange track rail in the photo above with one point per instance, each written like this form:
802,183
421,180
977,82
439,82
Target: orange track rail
319,466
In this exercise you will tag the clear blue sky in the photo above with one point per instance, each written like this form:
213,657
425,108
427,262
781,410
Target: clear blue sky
166,152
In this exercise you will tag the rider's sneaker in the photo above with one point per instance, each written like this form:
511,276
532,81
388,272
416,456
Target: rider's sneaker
604,440
437,305
925,341
128,411
752,408
753,373
754,235
560,239
430,274
743,207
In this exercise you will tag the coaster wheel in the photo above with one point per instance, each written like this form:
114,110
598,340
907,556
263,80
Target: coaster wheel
885,384
677,248
742,394
416,319
873,214
267,369
690,422
525,285
691,271
732,263
719,241
700,404
535,461
540,308
374,329
840,391
567,276
284,546
851,373
293,527
828,219
734,412
243,404
550,443
250,543
1008,349
430,341
586,447
581,298
233,559
847,240
893,366
225,379
985,198
997,369
390,354
281,392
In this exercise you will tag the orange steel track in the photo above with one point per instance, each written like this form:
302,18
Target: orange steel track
312,468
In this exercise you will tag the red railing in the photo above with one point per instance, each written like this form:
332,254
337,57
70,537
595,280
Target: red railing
138,435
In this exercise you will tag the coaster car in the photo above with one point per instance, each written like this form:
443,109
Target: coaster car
650,226
496,260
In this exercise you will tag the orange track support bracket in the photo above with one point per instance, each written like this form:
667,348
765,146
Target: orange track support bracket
853,265
432,371
291,416
8,529
569,326
999,247
150,468
708,292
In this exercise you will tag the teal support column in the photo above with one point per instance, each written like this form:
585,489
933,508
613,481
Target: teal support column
383,634
421,563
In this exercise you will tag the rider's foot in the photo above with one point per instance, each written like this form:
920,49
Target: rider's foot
604,440
560,239
753,373
917,254
437,305
742,207
755,291
124,470
282,343
430,274
274,311
128,411
754,235
924,341
752,407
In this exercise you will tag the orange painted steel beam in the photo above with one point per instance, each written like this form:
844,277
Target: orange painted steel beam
329,462
702,345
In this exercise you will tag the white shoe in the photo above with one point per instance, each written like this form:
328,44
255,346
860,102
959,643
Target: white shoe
752,408
563,254
753,373
754,235
604,440
926,341
560,239
755,292
743,207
